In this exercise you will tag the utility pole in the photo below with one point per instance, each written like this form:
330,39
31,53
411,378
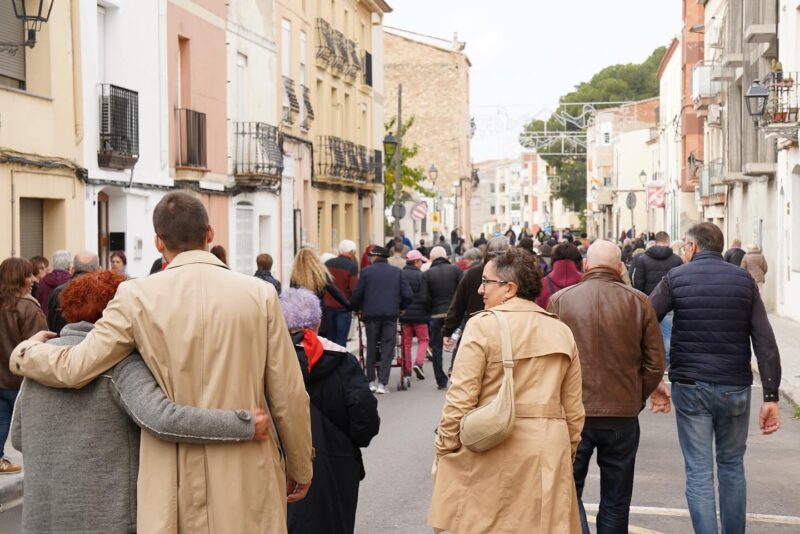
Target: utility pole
398,162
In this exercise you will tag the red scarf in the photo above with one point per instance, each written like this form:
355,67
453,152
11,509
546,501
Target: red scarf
313,347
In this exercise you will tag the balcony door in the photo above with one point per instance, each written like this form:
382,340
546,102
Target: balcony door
103,234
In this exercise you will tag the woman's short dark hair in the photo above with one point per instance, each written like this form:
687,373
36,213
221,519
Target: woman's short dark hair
520,267
121,255
526,243
181,222
568,251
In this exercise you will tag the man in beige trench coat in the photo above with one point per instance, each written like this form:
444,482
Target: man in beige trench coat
213,339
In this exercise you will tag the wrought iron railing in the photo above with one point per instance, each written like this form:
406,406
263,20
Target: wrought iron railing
342,59
309,109
784,99
377,167
354,61
192,139
342,160
326,48
291,106
259,153
119,127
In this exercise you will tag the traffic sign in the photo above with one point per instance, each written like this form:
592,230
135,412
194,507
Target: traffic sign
630,200
420,211
398,211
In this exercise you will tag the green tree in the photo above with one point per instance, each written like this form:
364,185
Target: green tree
411,178
617,83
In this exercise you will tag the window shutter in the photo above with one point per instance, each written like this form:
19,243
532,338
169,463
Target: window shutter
11,31
31,227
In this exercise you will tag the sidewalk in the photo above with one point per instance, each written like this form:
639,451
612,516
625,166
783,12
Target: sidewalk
787,334
11,485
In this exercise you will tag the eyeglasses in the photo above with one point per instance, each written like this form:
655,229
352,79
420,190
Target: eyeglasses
485,281
685,245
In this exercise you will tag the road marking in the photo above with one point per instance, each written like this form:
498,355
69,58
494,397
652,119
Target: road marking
682,512
631,529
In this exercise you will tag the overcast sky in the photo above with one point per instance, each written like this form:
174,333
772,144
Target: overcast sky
526,53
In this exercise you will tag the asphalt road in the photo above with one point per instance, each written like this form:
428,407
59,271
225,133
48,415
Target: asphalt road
395,495
11,521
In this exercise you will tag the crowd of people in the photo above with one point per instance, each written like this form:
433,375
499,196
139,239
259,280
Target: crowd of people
246,388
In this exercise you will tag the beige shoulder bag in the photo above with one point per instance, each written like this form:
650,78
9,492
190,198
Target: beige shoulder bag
490,424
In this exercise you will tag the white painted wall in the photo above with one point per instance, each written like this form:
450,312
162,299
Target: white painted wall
669,144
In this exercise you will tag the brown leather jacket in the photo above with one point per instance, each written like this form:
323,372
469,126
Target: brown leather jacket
619,342
17,323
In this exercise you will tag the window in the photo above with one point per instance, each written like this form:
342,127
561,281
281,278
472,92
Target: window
31,219
502,210
241,84
12,68
303,109
502,188
795,211
491,188
368,69
492,210
286,67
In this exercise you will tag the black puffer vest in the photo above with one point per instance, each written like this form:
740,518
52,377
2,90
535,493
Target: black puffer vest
713,303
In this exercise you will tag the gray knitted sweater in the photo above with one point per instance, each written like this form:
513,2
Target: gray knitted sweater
81,446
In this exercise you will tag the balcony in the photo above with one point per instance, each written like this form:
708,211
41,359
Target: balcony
291,105
119,128
710,184
761,33
326,50
342,162
341,62
782,117
704,88
258,161
354,65
192,139
308,116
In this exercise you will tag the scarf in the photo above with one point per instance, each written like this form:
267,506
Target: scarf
312,347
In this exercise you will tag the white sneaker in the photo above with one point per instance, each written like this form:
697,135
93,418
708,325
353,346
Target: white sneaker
373,386
382,390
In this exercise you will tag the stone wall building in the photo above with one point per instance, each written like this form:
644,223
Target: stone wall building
434,73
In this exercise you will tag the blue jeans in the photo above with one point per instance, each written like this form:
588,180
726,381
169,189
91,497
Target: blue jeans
666,332
339,326
616,457
7,399
713,416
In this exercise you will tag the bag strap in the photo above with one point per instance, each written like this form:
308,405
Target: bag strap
505,343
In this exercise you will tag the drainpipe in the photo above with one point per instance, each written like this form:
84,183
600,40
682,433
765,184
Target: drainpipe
13,222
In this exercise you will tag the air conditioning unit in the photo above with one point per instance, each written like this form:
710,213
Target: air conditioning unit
714,36
714,115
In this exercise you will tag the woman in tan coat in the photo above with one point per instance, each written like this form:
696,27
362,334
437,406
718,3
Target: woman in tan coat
525,483
754,263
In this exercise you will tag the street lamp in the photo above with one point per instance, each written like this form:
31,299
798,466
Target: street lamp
756,99
393,145
642,178
433,174
33,17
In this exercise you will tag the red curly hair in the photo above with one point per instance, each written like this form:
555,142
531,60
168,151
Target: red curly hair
85,297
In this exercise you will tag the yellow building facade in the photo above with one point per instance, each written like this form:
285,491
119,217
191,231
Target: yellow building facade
41,185
330,117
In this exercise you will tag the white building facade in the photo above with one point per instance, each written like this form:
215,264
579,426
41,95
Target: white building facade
124,125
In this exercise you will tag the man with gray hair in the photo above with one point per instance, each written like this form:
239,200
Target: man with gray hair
471,257
62,267
84,263
718,314
336,319
622,363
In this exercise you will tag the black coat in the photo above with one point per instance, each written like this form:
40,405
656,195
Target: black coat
649,268
466,301
417,311
344,418
441,280
267,277
734,256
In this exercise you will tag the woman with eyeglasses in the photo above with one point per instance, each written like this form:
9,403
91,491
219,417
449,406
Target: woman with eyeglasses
525,483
